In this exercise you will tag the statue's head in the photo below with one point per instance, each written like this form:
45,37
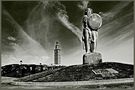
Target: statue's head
88,11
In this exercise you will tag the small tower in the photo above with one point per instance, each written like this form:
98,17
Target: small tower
21,62
57,54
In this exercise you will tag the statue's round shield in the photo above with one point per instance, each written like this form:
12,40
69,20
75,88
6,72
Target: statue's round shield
95,21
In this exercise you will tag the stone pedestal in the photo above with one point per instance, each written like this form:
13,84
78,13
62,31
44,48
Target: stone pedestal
92,58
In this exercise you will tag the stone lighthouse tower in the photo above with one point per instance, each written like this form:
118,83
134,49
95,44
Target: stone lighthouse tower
57,54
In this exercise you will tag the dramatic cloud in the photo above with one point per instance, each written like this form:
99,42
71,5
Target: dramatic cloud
111,14
26,49
64,19
32,39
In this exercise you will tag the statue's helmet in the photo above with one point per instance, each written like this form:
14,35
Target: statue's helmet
88,11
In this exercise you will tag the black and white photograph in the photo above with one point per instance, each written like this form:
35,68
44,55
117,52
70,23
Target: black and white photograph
55,44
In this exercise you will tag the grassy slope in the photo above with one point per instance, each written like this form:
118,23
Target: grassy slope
84,72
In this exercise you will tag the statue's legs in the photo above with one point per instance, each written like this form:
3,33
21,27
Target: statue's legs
92,47
94,41
86,40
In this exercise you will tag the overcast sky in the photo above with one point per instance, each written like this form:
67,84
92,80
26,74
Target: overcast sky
30,29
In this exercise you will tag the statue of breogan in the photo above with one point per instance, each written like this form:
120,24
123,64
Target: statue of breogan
91,23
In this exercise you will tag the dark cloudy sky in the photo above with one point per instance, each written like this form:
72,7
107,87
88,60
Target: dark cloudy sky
30,29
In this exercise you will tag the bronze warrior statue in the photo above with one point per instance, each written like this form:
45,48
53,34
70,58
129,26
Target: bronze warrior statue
91,23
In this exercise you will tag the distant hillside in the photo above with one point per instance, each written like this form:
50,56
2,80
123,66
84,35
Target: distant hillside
106,70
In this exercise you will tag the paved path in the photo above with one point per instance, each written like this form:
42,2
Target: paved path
74,83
